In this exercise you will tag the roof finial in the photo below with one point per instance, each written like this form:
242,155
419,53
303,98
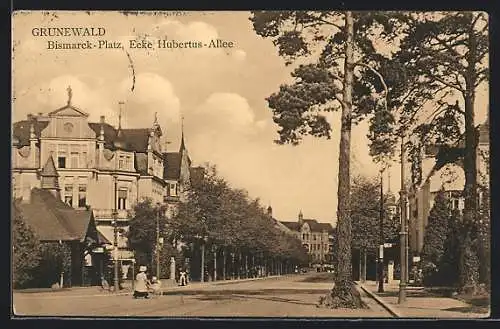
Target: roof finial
32,131
183,146
120,115
70,94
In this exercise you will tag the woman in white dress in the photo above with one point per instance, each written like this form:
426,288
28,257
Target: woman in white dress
141,283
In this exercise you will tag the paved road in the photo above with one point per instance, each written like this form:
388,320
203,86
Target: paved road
275,297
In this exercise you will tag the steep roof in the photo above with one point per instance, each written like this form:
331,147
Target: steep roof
294,226
137,139
109,132
49,169
313,224
172,169
53,220
21,130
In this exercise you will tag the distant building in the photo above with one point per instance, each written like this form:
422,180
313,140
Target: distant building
316,237
449,178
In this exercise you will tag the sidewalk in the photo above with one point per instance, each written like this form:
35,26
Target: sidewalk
419,303
167,286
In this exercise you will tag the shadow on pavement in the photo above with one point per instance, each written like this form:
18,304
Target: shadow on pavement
319,277
409,293
243,292
469,309
252,297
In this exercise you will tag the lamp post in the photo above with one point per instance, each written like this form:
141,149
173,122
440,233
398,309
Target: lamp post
381,232
115,235
202,270
158,243
404,233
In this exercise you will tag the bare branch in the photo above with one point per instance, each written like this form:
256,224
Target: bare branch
386,90
459,88
475,21
448,46
340,99
377,73
481,76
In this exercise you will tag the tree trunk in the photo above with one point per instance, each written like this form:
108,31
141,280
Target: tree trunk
360,265
468,262
215,265
239,265
344,293
246,266
363,274
224,264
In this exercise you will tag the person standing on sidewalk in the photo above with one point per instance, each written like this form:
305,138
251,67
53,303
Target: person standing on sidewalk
182,278
141,283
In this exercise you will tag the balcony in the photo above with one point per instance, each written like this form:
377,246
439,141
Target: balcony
107,214
172,199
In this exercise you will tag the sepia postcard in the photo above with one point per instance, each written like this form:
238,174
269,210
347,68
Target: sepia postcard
290,164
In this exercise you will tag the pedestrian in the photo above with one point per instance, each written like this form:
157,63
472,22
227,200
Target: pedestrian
182,278
141,283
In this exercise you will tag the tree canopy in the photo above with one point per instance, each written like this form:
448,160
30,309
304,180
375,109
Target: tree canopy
226,217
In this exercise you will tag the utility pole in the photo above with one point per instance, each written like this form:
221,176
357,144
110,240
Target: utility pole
115,234
404,233
381,232
158,243
202,271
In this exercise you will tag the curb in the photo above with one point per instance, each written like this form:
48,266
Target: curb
221,283
379,300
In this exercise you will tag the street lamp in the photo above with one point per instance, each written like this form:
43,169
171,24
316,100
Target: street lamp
159,242
381,232
404,232
115,235
202,270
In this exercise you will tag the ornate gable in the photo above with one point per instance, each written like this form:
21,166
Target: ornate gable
68,111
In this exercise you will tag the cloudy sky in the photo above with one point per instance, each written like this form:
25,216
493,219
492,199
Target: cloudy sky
219,92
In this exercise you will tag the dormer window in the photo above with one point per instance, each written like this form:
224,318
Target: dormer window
173,189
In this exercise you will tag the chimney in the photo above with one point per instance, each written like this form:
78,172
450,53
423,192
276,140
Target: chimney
270,211
102,119
40,114
29,116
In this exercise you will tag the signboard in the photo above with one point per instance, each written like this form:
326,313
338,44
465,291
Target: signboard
416,259
381,251
387,245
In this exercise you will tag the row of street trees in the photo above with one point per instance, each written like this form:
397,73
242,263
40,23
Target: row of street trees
356,66
365,217
218,225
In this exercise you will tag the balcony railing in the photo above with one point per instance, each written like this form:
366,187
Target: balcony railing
121,214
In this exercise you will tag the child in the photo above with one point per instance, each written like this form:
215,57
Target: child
156,286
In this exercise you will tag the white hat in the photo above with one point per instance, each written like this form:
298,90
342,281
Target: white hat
142,269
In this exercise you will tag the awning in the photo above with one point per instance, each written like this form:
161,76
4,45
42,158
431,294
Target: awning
108,233
102,238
